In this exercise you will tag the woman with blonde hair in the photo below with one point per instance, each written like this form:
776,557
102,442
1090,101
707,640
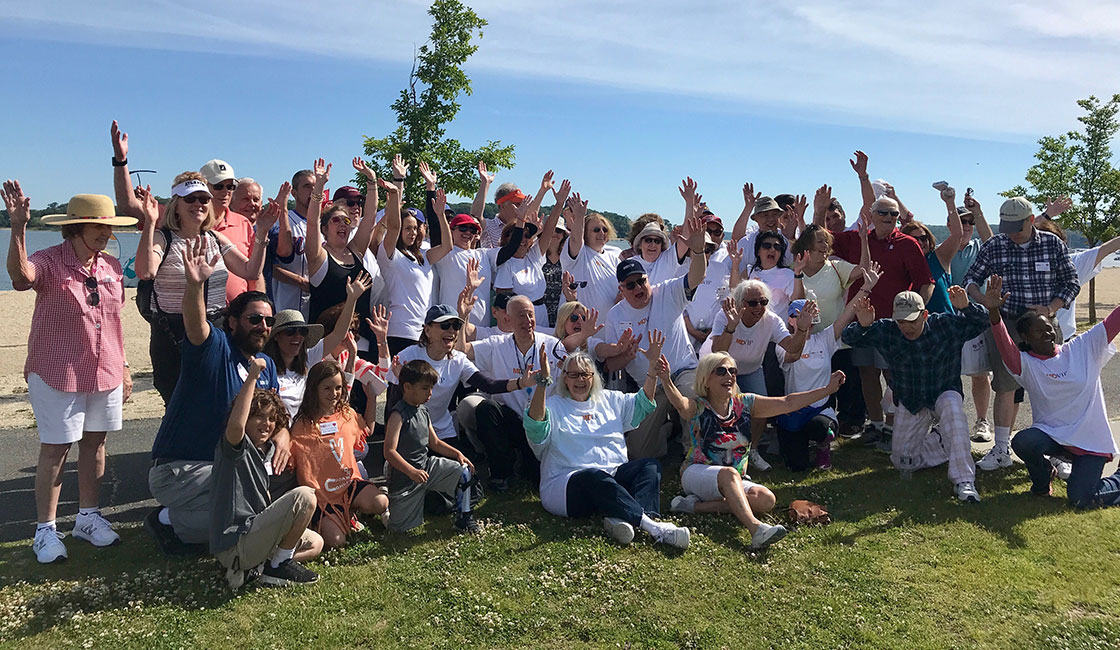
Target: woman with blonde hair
589,258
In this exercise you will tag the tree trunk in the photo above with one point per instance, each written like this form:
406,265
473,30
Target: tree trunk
1092,302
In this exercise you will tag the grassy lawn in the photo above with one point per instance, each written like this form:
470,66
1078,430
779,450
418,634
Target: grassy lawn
903,566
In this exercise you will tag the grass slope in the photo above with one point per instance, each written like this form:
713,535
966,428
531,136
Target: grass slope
903,566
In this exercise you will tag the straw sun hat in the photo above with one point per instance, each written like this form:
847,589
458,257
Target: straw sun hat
89,208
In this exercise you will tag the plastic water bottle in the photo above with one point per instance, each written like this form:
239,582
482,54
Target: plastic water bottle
906,467
812,295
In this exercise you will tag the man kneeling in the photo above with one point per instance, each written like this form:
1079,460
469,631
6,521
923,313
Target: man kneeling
923,352
247,527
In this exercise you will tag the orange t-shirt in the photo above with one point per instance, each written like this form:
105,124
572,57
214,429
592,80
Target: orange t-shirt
323,454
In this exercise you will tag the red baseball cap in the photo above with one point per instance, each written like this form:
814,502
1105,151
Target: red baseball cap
461,219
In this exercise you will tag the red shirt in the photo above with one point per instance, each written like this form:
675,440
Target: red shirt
239,230
904,267
73,346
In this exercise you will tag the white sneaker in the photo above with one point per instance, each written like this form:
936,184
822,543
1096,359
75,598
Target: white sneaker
677,536
684,503
756,461
621,531
767,535
966,491
982,430
994,459
48,546
95,529
1062,467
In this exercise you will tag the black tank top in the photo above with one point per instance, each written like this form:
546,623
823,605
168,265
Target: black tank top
332,291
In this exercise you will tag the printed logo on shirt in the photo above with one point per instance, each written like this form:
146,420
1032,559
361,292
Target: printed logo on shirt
743,342
587,417
1056,375
643,321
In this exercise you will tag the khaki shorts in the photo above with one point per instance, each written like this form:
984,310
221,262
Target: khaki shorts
406,507
267,529
1002,381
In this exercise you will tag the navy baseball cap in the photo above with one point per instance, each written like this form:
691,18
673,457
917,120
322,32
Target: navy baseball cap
440,313
629,267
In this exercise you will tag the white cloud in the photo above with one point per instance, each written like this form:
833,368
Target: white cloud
1009,70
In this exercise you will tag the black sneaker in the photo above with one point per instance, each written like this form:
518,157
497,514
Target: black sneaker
871,435
465,523
169,543
289,572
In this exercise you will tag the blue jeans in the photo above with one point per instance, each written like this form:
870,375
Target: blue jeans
753,382
1085,487
634,490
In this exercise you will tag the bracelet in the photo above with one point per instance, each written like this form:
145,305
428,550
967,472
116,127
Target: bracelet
863,177
318,196
543,379
799,276
727,331
120,163
398,179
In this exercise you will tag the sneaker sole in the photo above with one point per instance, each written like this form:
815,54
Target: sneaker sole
58,560
273,581
76,534
621,533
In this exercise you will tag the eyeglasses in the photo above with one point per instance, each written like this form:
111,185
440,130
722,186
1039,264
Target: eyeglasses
340,219
770,246
723,371
883,213
756,303
577,375
467,229
200,198
451,325
633,284
350,203
257,319
575,318
228,186
598,230
94,298
295,331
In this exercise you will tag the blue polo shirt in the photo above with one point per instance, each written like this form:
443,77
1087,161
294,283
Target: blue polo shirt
211,377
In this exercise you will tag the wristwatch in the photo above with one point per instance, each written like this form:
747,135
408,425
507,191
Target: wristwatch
119,163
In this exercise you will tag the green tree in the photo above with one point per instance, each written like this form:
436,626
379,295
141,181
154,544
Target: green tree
429,103
1078,164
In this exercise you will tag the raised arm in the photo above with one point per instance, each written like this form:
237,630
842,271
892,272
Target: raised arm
739,230
993,298
537,403
795,343
821,202
392,218
1105,250
698,266
982,227
148,253
126,199
355,287
691,198
864,228
485,178
197,268
439,205
859,165
591,327
548,230
870,279
284,229
768,407
534,210
577,217
363,235
400,170
722,341
243,403
313,249
653,356
685,407
20,269
948,248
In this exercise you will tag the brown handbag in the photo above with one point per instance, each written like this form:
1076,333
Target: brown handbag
803,512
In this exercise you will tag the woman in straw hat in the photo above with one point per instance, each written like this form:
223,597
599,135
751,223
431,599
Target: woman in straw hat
77,375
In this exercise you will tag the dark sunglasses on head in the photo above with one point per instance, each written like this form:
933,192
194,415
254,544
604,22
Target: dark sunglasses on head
883,213
256,319
633,284
598,229
756,303
350,203
202,198
228,186
290,331
723,371
450,325
575,318
94,298
468,229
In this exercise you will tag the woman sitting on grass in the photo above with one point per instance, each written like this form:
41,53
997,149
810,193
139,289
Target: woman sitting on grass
713,474
323,437
579,438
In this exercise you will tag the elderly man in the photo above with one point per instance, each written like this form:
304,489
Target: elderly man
1037,271
247,199
235,226
645,308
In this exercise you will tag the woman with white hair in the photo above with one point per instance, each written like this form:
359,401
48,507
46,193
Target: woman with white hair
579,438
714,472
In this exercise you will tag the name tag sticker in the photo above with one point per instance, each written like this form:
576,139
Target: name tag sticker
1042,266
328,428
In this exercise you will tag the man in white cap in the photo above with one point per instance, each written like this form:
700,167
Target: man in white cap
1037,271
235,226
923,353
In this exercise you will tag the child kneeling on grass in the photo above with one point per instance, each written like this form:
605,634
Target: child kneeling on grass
248,527
413,470
323,438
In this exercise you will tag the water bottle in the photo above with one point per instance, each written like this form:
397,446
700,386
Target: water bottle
812,295
906,467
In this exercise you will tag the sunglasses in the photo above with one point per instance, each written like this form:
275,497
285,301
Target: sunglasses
651,240
202,198
350,203
598,230
715,232
633,284
578,375
257,319
94,298
968,222
295,331
723,371
756,303
577,285
339,219
228,186
575,318
467,229
770,246
883,213
451,325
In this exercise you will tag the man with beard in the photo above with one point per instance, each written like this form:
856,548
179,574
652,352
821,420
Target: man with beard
214,367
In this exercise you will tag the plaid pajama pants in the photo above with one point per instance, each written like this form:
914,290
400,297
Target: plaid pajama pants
913,438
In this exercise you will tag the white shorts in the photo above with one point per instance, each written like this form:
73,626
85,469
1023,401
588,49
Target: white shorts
62,417
703,481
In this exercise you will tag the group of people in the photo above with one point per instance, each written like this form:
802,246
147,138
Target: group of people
528,347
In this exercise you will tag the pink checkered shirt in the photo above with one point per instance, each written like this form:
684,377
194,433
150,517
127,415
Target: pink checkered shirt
74,347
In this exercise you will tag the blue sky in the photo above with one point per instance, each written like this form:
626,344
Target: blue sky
624,98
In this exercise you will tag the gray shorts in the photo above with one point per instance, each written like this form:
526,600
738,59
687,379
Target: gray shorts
406,507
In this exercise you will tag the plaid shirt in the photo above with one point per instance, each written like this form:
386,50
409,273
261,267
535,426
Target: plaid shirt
1035,274
75,347
924,368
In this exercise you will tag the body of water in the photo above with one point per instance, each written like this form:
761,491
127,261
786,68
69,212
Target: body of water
124,248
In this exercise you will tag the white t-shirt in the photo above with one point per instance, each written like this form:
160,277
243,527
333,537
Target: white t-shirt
748,344
813,369
498,358
665,267
581,435
289,296
597,270
780,282
292,383
458,369
1066,397
451,272
410,292
525,276
1087,268
711,292
664,312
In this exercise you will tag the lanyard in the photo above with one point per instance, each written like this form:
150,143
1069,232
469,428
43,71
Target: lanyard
524,361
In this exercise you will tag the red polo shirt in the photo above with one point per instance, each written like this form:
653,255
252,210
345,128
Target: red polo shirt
239,230
904,267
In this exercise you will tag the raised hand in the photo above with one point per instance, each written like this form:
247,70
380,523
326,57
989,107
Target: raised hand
484,176
799,262
196,267
664,372
389,188
822,199
546,181
465,302
148,204
732,312
474,280
362,168
799,208
809,312
994,297
270,215
735,254
378,322
578,215
971,204
400,169
865,311
120,142
889,189
440,204
694,227
546,368
656,342
859,165
865,223
750,197
688,191
355,287
283,194
1058,206
592,324
835,381
871,275
18,205
322,171
787,222
350,344
958,298
429,177
949,196
568,286
561,195
395,366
